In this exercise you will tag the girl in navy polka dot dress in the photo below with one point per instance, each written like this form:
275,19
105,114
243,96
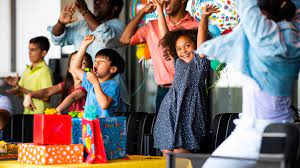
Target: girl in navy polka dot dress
182,118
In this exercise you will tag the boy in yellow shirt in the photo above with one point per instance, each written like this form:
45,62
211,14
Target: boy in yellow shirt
35,76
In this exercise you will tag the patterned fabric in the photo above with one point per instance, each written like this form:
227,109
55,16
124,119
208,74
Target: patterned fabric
50,154
113,133
184,108
114,136
76,131
40,77
93,142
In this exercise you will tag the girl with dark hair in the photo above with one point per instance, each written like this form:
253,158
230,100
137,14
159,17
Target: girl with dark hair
184,108
73,94
265,48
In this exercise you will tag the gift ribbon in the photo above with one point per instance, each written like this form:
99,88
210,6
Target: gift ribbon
75,114
50,111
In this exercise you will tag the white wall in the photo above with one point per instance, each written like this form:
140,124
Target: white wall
33,17
5,42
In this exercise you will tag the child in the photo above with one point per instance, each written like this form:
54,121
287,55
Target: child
265,48
182,118
36,76
102,96
102,92
73,94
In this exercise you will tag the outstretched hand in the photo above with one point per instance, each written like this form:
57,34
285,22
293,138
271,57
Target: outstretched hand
66,15
209,9
12,81
88,40
28,103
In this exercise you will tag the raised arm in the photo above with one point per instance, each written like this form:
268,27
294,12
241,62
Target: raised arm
260,30
89,18
76,66
162,24
207,10
76,95
66,17
133,25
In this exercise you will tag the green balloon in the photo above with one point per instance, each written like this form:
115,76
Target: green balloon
216,65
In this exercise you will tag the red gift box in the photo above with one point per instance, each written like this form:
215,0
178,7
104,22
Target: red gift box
52,129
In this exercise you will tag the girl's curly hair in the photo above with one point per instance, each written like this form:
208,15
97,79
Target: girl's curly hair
168,43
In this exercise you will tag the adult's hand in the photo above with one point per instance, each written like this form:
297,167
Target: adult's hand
149,8
12,81
66,15
209,9
81,6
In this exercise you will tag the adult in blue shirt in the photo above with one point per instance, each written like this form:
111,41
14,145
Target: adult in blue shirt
266,49
103,24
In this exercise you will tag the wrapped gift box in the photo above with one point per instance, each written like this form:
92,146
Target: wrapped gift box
52,129
113,133
8,148
114,136
76,131
50,154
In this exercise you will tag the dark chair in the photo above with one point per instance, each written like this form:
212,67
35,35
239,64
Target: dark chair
135,132
222,127
281,140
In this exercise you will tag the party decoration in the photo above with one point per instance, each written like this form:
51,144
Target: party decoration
142,52
90,112
93,142
113,131
52,129
50,111
136,6
76,114
87,69
214,30
50,154
227,18
216,65
114,136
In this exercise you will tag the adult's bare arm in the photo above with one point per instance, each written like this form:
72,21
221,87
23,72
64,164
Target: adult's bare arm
133,24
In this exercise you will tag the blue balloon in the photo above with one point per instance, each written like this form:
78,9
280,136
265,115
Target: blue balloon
214,30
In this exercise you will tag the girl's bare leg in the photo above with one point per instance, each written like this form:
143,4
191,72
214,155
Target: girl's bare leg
181,150
165,152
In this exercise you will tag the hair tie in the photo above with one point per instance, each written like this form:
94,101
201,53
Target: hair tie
283,4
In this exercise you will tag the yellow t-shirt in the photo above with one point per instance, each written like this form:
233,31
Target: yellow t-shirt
39,77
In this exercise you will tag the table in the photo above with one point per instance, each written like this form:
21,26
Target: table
133,161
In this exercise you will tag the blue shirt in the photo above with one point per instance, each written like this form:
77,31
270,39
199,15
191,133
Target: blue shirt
267,51
107,35
110,88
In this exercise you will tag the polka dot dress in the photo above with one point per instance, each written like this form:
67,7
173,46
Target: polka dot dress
182,117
